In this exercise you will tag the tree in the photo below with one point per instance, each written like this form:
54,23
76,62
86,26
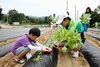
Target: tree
95,16
4,18
46,20
14,16
31,19
1,15
97,9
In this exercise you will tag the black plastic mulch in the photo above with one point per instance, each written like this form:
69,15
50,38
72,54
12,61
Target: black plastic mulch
91,54
97,36
48,60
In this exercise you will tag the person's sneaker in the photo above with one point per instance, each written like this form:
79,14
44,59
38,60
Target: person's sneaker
28,55
20,61
16,60
76,54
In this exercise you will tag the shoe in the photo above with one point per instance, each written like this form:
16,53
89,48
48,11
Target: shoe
28,55
17,60
76,54
20,61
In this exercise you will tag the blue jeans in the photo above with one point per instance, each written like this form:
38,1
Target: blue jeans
86,26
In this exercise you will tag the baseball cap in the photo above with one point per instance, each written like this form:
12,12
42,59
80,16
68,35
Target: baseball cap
60,19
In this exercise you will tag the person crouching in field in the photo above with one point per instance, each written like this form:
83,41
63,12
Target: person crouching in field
70,24
26,43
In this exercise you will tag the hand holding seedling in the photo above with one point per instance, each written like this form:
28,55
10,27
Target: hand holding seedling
47,49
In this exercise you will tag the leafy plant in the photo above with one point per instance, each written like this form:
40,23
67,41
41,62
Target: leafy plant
64,50
73,39
37,58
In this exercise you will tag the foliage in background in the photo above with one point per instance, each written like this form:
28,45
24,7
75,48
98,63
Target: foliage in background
95,16
1,13
14,16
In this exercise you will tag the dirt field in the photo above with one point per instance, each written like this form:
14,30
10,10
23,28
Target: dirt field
93,41
8,59
68,61
8,41
94,32
9,26
63,60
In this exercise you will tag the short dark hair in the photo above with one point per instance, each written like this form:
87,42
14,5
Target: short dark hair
68,18
35,32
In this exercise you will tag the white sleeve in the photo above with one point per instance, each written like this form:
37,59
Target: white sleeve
34,47
40,45
89,18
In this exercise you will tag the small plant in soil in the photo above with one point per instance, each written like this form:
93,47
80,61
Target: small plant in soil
38,58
